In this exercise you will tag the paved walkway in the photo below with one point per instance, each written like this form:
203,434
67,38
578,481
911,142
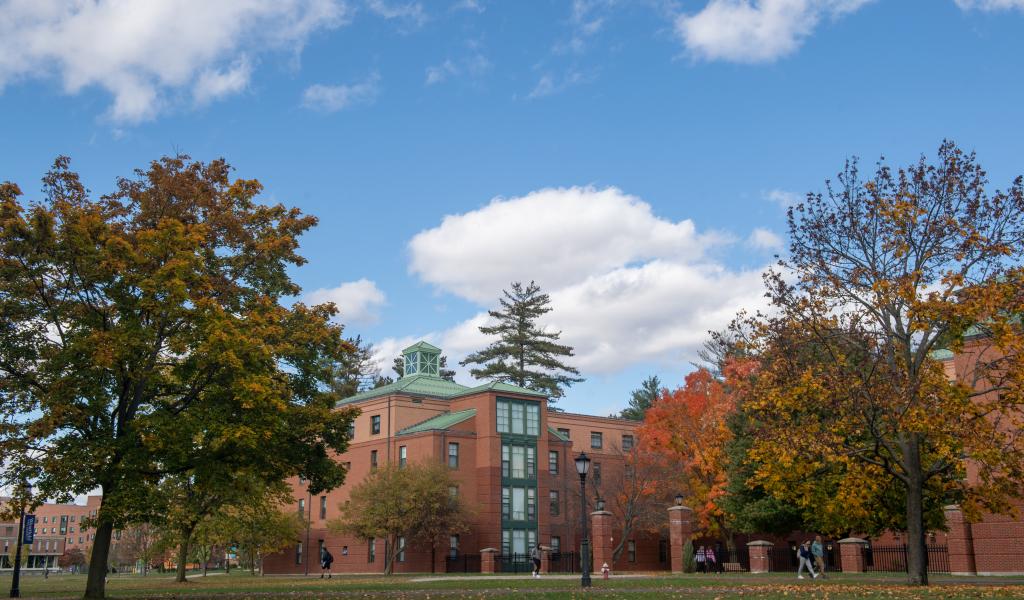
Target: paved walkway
524,576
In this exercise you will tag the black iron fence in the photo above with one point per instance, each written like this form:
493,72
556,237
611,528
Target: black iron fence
785,558
564,562
462,563
513,563
893,559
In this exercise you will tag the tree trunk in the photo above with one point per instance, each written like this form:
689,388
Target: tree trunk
433,557
252,563
182,558
206,562
917,551
96,585
389,555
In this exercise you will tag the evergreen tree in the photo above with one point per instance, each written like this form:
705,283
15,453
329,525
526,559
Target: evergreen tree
524,354
398,366
354,369
642,398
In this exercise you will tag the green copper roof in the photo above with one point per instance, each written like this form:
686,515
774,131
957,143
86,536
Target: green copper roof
412,385
558,435
442,421
941,354
421,346
497,386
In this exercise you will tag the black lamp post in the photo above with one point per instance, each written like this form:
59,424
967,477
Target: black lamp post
679,499
16,576
582,466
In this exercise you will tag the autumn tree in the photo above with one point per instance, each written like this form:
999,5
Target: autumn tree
141,542
151,327
258,526
412,502
72,559
642,398
638,494
882,274
688,427
525,354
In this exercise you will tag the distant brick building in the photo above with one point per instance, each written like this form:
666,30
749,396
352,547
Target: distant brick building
511,456
58,529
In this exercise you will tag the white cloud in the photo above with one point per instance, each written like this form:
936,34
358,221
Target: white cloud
470,5
143,53
409,12
626,285
474,65
332,98
764,239
439,73
783,198
549,85
357,301
990,5
754,31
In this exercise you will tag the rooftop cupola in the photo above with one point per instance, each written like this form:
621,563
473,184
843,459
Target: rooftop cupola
422,359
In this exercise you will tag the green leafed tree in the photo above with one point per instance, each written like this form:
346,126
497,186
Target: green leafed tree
642,398
525,354
257,526
355,369
149,331
412,502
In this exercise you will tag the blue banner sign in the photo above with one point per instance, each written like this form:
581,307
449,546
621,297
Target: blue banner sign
29,534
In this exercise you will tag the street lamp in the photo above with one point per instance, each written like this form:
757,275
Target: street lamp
599,503
582,466
16,577
679,499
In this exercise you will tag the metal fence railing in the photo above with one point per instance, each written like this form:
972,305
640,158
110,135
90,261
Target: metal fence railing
462,563
893,559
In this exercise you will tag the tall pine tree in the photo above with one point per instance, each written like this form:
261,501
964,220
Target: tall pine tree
642,398
524,354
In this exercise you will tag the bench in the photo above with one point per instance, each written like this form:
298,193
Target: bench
732,567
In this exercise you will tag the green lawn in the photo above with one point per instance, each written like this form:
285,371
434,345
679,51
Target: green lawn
242,585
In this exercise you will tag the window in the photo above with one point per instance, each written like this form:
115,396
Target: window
453,491
403,456
532,419
506,542
506,503
556,544
375,424
632,551
597,473
79,539
553,462
323,507
502,416
347,466
401,549
302,480
517,418
344,550
553,497
298,553
351,430
518,504
564,433
531,504
453,455
302,507
373,459
71,530
371,552
46,519
627,442
596,440
518,541
453,546
506,460
72,518
531,462
518,462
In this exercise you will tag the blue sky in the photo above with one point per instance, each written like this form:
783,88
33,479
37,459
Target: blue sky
633,157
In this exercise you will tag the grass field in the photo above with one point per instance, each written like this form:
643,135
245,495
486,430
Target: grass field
775,586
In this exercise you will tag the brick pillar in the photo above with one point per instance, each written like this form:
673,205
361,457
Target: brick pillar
760,556
960,541
545,559
851,555
601,539
680,527
487,560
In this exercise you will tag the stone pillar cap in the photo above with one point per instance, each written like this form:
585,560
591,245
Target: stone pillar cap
602,513
489,550
851,540
679,508
951,507
760,543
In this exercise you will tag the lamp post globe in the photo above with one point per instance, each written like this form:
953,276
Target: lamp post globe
582,467
679,499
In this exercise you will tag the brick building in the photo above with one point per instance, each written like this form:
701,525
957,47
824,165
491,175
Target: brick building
58,528
511,456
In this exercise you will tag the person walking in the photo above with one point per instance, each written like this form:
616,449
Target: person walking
818,551
535,556
325,562
805,556
720,557
710,560
701,558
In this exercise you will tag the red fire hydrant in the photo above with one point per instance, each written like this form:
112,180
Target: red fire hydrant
605,571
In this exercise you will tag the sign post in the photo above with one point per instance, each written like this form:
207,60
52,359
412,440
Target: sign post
26,535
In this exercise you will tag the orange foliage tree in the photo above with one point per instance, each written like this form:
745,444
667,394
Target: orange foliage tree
688,427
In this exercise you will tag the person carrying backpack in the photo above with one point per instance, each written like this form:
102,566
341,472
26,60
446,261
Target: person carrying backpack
325,562
701,558
806,560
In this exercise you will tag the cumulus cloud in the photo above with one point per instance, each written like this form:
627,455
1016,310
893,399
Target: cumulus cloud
626,285
408,12
764,239
145,53
755,31
474,65
783,198
357,301
990,5
549,84
332,98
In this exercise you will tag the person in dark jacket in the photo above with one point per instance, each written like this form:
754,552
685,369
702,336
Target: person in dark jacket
720,556
325,562
535,555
